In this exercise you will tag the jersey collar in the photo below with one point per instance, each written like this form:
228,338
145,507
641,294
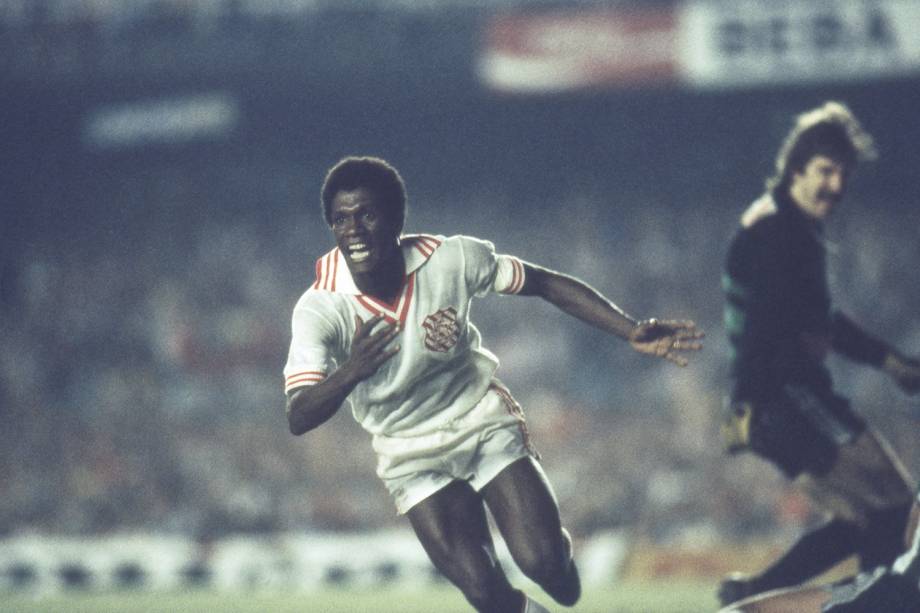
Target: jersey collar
332,272
417,248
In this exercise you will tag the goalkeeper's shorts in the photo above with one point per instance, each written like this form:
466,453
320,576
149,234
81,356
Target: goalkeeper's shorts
799,431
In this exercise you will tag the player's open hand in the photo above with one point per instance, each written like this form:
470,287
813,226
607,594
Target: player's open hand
666,339
370,348
905,371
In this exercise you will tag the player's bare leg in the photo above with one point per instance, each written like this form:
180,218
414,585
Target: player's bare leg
527,515
795,600
813,553
867,477
451,525
867,494
869,487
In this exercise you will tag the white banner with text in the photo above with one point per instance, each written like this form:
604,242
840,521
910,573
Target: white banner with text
748,43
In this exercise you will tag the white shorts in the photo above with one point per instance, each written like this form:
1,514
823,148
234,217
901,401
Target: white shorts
474,447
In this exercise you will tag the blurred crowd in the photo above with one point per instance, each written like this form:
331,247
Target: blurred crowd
140,371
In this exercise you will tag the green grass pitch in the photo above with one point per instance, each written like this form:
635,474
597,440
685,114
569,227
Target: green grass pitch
656,597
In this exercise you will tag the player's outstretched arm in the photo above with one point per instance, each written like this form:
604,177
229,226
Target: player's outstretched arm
664,339
904,370
310,406
852,341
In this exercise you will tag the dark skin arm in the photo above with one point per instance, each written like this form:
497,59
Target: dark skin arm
663,339
311,406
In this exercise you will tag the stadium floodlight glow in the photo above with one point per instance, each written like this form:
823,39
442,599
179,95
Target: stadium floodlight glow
166,121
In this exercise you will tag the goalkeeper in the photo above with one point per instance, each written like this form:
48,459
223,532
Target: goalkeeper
781,326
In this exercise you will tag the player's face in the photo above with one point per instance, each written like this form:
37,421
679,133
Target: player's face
819,186
362,231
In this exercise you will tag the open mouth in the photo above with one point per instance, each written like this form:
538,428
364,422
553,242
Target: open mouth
830,198
358,252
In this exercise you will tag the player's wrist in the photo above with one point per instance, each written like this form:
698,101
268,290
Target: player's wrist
347,375
889,362
894,363
636,326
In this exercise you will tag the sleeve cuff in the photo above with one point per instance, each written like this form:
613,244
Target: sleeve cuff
302,379
509,278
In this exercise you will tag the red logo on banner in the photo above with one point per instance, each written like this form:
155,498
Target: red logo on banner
569,50
441,330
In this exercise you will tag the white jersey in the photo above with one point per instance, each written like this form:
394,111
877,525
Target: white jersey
441,370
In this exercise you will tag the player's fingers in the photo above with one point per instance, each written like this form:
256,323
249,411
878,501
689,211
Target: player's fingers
685,328
677,359
373,329
689,333
383,356
384,335
364,327
673,323
671,329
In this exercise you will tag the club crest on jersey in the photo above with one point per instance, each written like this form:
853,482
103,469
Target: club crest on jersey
441,330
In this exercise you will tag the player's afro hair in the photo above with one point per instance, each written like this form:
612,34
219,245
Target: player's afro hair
371,173
831,130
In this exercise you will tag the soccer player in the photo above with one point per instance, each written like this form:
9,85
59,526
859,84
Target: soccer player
386,326
781,325
889,589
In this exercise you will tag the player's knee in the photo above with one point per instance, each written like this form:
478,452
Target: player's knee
481,581
534,565
543,561
883,539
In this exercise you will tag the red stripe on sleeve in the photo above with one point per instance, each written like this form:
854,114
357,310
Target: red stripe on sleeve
519,275
303,380
306,372
515,277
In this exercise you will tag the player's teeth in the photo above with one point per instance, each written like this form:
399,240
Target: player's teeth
359,256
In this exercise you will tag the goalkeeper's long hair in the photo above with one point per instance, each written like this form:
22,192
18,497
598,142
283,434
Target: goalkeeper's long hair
830,130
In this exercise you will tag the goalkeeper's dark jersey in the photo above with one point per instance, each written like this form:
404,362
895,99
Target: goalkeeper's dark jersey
778,313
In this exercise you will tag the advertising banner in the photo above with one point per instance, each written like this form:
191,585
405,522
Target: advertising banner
578,49
747,43
705,44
